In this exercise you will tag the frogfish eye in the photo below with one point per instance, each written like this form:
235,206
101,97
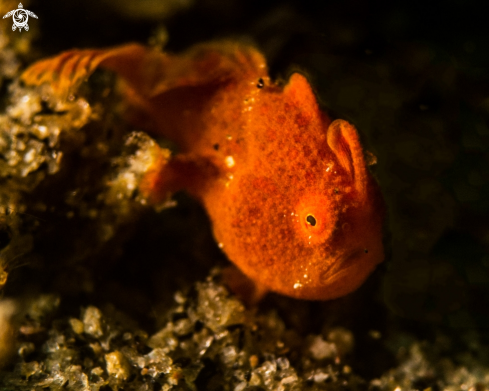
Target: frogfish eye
311,220
315,218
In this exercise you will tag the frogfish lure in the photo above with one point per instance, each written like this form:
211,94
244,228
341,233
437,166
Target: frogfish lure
288,191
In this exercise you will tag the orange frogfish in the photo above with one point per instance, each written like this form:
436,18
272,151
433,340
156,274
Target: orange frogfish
288,191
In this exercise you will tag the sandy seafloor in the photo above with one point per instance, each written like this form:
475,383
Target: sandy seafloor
103,293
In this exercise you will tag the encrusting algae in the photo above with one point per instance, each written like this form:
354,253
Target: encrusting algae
288,191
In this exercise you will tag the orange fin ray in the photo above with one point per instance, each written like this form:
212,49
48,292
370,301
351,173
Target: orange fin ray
148,71
68,70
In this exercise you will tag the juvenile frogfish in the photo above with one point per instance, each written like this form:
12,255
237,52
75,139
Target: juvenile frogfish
287,189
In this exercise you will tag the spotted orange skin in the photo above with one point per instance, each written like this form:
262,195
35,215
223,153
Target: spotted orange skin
290,198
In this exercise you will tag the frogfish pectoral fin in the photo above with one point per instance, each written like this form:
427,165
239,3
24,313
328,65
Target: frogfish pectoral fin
343,139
